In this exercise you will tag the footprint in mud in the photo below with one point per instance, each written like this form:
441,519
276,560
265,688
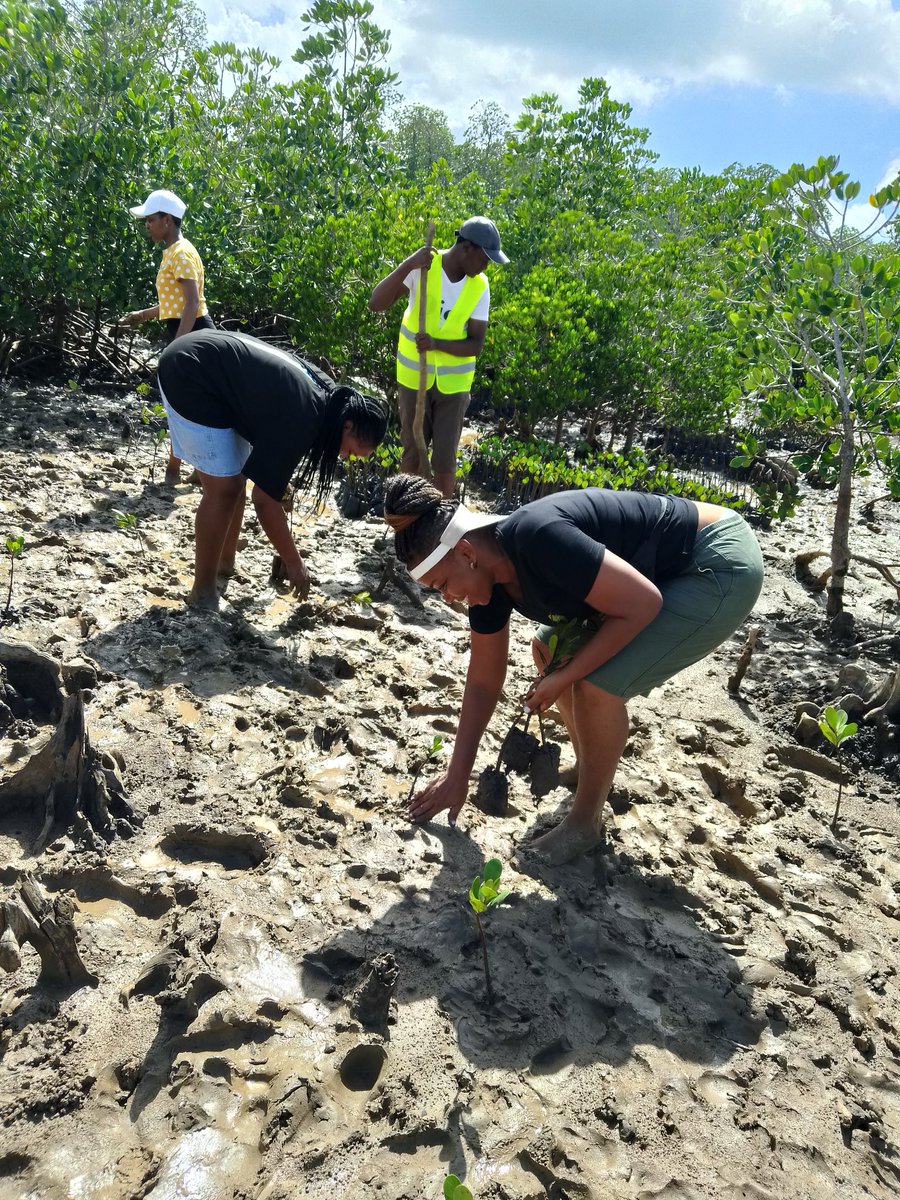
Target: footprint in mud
362,1067
207,843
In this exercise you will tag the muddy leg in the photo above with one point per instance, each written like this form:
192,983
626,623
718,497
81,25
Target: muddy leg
229,550
215,514
173,468
601,723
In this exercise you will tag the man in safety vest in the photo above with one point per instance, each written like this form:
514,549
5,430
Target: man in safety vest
458,299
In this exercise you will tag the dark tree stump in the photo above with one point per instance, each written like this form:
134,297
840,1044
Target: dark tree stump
65,780
49,926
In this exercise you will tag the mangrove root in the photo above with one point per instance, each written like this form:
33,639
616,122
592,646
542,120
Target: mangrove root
50,928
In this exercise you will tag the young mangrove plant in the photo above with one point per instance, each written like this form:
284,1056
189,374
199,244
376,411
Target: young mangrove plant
486,893
836,729
13,547
454,1189
431,755
128,522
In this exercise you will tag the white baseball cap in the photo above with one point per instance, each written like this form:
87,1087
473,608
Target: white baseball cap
464,521
161,200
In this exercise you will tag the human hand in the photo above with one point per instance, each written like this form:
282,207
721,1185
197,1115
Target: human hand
421,259
298,578
132,318
425,342
545,691
442,792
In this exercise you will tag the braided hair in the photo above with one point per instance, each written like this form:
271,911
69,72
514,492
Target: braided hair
418,514
369,420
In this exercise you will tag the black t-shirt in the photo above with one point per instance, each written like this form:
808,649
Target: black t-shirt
557,544
231,381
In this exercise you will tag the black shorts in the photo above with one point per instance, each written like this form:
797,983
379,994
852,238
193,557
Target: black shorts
172,323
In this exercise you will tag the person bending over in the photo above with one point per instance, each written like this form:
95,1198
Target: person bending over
239,409
657,581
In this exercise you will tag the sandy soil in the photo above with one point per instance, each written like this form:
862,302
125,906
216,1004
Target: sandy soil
709,1009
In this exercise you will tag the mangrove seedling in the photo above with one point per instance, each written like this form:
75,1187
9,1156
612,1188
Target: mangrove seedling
486,893
13,547
158,436
454,1189
364,599
836,729
430,755
129,523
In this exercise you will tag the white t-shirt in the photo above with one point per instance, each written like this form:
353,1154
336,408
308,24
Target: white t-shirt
449,295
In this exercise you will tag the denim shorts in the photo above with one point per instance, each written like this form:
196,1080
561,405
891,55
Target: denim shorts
702,607
213,451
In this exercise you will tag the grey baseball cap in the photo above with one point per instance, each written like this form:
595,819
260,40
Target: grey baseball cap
484,233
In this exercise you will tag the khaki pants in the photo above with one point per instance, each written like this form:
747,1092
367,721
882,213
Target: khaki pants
442,428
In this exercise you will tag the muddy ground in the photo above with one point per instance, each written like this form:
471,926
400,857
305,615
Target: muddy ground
709,1009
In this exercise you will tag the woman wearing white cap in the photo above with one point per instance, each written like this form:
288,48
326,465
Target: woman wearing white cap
181,304
657,581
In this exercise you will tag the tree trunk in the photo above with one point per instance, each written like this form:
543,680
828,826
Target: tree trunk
559,429
630,432
840,536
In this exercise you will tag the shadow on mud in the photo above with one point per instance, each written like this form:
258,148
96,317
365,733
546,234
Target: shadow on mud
587,976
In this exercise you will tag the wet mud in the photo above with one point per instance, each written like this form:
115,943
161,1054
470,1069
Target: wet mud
289,998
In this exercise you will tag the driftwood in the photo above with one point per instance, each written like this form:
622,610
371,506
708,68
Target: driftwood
65,780
734,681
401,579
50,928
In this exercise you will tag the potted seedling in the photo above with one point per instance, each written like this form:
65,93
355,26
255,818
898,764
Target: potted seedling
431,755
13,548
836,729
454,1189
486,893
520,750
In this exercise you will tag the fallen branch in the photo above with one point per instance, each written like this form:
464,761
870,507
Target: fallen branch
734,681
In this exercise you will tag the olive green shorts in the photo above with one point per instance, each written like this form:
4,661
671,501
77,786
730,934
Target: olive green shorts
702,607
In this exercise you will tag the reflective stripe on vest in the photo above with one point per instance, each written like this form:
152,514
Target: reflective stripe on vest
452,373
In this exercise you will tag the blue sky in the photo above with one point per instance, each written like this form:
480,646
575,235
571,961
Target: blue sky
715,81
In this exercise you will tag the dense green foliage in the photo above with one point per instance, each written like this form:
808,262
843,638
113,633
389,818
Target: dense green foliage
637,299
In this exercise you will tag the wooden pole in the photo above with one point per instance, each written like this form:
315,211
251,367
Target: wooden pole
419,419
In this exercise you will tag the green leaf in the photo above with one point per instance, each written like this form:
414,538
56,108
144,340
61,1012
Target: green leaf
492,870
451,1183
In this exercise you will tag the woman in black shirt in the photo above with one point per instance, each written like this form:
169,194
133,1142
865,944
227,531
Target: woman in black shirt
239,409
659,582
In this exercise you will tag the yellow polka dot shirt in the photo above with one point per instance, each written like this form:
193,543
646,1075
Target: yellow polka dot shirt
179,261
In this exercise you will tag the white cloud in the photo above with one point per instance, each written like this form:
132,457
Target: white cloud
449,56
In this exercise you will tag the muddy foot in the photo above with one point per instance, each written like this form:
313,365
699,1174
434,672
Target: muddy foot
173,477
205,600
564,843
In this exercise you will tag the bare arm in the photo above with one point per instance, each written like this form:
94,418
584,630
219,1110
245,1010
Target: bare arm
484,683
392,287
467,347
629,602
191,305
139,315
274,521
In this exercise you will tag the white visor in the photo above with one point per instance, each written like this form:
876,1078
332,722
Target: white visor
462,522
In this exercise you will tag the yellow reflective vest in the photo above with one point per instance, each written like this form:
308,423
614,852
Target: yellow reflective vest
452,373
